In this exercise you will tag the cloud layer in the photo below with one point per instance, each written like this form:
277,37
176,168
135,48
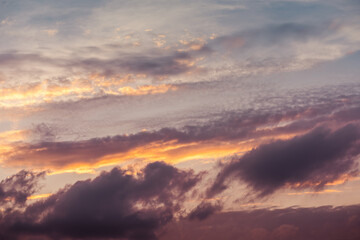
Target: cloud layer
278,224
232,132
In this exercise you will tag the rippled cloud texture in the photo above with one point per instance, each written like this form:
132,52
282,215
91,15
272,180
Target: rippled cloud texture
179,119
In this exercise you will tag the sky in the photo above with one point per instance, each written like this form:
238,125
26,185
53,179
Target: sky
172,120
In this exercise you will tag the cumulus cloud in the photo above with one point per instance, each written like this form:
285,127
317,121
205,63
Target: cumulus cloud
113,205
312,160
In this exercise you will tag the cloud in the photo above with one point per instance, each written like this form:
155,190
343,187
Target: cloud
276,34
43,132
309,161
142,206
51,32
315,223
204,210
55,90
67,154
154,64
147,89
110,61
286,46
113,205
41,79
231,133
16,189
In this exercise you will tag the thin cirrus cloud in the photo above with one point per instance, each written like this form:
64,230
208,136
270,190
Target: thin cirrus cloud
113,205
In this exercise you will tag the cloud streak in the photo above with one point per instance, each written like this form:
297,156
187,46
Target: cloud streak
232,133
309,161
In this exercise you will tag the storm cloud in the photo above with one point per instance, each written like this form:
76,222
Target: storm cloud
113,205
312,160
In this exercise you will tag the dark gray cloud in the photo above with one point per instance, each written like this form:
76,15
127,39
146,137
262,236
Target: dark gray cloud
153,62
13,58
15,189
43,132
312,160
113,205
276,34
331,223
204,210
156,63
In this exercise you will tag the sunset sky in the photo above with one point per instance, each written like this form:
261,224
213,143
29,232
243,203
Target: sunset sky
175,120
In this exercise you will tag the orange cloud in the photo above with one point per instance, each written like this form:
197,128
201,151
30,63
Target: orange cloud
341,180
51,32
170,152
41,92
85,156
169,145
147,89
7,138
39,196
76,89
83,160
13,136
194,45
318,192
